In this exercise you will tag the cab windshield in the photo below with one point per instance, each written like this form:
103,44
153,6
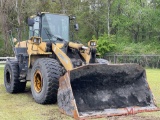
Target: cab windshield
55,26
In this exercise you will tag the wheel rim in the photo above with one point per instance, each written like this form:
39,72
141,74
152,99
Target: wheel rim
8,77
38,81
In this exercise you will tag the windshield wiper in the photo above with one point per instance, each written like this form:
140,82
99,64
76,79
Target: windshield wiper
49,35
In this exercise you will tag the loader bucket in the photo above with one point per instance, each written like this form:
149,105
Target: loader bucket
101,90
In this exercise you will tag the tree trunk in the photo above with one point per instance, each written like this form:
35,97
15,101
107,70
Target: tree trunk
108,17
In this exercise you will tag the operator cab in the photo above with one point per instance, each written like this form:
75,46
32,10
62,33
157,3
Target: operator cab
50,27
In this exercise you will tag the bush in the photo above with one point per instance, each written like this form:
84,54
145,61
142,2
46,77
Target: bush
105,44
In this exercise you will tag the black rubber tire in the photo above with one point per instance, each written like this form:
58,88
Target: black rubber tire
50,71
11,78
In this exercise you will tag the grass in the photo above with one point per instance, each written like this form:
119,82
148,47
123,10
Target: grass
23,107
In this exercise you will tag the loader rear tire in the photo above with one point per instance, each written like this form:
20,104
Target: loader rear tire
44,80
11,78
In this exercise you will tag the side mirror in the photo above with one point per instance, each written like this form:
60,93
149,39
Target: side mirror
76,27
30,22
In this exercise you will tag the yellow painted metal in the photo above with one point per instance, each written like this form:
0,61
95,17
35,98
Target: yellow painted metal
86,55
33,49
41,47
21,44
59,45
38,81
64,59
75,45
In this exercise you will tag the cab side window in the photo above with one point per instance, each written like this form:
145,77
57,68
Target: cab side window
35,29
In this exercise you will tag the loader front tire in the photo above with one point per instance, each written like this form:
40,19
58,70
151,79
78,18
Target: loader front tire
44,80
11,78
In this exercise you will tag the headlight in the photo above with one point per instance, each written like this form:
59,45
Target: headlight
92,43
36,40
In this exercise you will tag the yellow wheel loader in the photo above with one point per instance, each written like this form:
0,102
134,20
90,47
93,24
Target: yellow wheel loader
70,74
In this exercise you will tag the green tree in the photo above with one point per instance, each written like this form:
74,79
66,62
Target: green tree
105,44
